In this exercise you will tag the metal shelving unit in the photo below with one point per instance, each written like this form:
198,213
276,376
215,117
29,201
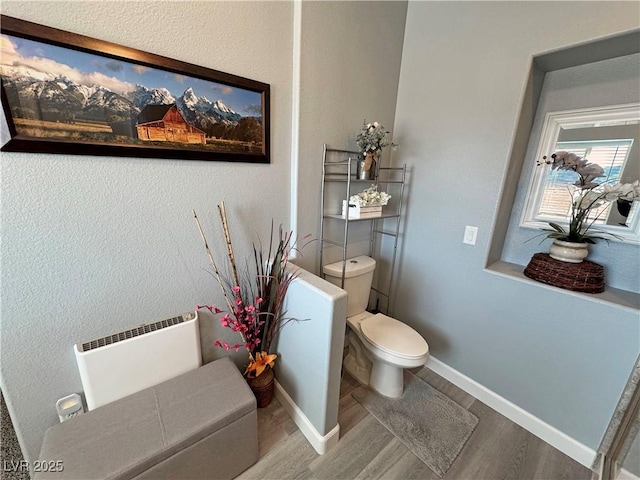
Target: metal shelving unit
339,167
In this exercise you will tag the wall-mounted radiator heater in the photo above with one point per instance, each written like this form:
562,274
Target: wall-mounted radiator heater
118,365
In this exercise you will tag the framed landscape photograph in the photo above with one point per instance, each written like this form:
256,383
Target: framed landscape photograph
67,93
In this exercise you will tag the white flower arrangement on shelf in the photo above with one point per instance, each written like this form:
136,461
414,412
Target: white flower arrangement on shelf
373,138
370,196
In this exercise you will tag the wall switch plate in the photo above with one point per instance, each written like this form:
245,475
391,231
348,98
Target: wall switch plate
470,235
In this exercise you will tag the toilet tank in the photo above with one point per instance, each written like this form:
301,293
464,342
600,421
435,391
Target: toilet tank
358,276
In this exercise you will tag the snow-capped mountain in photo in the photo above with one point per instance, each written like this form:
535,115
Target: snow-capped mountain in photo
58,98
23,74
104,100
202,113
143,96
55,98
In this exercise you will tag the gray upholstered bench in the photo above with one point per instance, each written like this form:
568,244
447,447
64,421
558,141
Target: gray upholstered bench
200,425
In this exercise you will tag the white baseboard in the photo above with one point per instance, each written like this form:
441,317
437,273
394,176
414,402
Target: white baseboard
320,443
626,475
563,442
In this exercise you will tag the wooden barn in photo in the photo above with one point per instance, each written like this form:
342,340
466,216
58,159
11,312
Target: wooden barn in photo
164,123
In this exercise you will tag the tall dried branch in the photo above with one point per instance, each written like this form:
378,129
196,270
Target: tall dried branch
216,272
227,238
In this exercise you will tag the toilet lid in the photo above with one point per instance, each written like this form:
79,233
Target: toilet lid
394,337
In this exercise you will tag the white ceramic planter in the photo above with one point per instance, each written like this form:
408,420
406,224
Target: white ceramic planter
568,251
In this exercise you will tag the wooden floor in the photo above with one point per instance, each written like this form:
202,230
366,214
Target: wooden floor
497,449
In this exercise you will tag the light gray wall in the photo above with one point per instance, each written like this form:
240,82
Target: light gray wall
349,68
94,245
561,357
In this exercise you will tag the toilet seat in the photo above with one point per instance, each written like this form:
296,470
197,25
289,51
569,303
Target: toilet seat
393,337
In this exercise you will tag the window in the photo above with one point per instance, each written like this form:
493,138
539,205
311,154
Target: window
607,136
611,155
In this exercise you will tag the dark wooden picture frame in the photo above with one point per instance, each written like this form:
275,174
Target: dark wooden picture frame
71,94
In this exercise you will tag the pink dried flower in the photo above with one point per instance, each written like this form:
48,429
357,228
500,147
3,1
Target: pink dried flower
258,321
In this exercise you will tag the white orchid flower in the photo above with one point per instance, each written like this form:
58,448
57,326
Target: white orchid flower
629,191
587,195
589,199
612,192
592,170
564,159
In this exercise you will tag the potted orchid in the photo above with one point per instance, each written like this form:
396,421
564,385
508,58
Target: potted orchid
254,303
587,198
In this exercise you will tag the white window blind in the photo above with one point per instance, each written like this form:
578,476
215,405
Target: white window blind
611,155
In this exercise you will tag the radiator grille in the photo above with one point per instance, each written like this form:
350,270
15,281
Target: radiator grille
135,332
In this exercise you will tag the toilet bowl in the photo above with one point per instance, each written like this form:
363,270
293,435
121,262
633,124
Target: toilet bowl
379,347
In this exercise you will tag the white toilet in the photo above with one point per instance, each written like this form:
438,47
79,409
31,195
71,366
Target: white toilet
380,347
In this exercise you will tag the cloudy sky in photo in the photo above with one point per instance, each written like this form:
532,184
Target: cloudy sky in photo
116,75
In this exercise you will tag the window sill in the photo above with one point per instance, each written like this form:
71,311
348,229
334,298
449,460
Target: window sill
611,296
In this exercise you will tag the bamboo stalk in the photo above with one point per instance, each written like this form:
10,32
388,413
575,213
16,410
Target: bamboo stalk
213,263
227,237
217,275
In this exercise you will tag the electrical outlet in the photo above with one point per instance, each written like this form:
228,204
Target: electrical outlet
69,407
470,235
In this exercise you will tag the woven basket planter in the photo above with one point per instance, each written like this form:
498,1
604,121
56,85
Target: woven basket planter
586,277
262,387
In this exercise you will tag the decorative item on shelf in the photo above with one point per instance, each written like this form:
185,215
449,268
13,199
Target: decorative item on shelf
366,204
367,168
371,139
81,113
572,252
586,276
254,303
588,199
624,208
358,211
